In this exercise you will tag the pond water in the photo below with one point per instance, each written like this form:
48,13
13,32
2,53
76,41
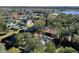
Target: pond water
70,12
9,41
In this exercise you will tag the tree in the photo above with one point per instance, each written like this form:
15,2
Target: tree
66,50
2,48
24,39
28,42
39,47
40,23
51,18
69,50
60,50
65,27
14,50
3,27
50,47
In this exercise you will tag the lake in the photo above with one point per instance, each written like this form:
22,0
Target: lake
70,12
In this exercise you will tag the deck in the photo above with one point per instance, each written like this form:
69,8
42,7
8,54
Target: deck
9,34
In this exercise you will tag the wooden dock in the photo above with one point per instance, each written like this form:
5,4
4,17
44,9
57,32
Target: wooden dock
9,34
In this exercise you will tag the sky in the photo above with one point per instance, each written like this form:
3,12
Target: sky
39,2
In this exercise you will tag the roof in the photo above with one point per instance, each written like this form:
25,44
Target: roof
50,30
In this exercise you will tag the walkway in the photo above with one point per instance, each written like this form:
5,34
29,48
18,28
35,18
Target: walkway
9,34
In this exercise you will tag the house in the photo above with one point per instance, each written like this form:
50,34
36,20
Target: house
29,23
15,15
23,18
50,30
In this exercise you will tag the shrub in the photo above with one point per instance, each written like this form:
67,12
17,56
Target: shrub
50,47
14,50
66,50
